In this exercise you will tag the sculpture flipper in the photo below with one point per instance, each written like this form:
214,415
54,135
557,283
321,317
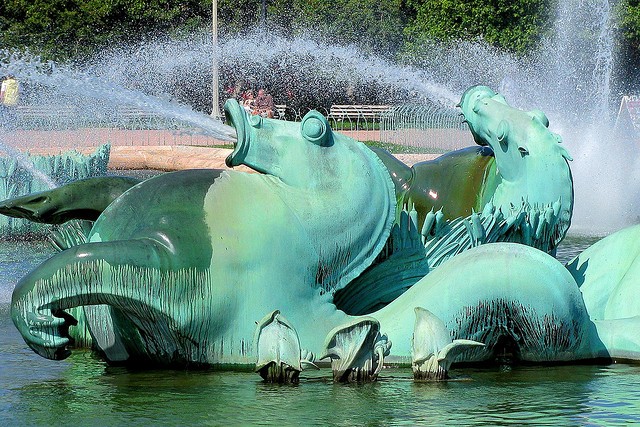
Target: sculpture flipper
357,350
83,199
278,349
89,274
433,351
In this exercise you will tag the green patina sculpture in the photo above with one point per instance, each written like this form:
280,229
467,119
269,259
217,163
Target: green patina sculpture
234,245
179,268
432,349
523,193
525,163
83,199
608,275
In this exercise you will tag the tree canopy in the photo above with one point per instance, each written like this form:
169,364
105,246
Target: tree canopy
64,29
75,29
511,25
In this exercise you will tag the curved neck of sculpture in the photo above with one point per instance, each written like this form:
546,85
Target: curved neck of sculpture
349,216
540,182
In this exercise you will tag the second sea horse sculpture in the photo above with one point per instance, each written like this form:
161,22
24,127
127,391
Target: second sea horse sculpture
519,161
520,190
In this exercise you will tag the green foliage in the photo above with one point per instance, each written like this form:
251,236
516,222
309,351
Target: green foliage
375,26
238,16
512,25
628,14
75,29
63,29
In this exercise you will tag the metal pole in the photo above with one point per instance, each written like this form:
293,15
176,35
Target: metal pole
215,110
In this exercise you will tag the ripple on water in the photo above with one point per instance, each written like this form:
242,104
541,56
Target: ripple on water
83,390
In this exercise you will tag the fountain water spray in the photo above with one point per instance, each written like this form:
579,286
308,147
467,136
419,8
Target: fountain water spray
26,164
569,78
97,94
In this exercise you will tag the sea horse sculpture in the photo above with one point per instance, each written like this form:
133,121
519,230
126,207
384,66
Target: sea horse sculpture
516,187
179,268
227,245
519,161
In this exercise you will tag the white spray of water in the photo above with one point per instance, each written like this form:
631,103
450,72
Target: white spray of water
569,79
97,93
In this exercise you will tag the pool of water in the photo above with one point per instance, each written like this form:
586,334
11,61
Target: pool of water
83,390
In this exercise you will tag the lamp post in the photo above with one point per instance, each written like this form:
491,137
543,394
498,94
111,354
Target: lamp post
215,110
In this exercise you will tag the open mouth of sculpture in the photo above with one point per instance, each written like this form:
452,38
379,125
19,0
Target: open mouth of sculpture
238,118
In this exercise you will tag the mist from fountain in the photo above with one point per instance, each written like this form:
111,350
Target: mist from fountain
569,78
24,162
93,94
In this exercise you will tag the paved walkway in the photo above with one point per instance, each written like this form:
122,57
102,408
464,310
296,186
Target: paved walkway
149,149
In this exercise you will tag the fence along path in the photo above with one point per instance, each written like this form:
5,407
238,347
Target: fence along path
426,126
64,126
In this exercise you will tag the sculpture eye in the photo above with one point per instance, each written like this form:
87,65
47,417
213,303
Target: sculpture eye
315,128
255,121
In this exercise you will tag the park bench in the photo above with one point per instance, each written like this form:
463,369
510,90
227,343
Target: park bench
356,116
281,111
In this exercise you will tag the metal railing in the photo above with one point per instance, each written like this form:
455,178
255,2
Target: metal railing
426,126
30,127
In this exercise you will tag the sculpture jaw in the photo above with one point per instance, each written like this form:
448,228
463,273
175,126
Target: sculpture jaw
259,143
239,119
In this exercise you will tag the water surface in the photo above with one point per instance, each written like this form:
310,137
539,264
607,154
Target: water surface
83,390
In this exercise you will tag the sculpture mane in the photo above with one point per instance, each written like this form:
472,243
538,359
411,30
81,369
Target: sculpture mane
517,187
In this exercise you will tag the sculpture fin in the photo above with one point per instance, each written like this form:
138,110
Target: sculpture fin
356,350
64,280
429,336
83,199
453,349
433,352
277,348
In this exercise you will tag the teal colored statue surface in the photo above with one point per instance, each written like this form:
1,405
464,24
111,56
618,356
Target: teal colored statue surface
608,274
231,246
334,247
525,167
516,187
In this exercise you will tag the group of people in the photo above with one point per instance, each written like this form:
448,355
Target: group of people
261,105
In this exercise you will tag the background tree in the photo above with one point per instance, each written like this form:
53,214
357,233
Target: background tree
65,29
373,25
513,25
627,15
